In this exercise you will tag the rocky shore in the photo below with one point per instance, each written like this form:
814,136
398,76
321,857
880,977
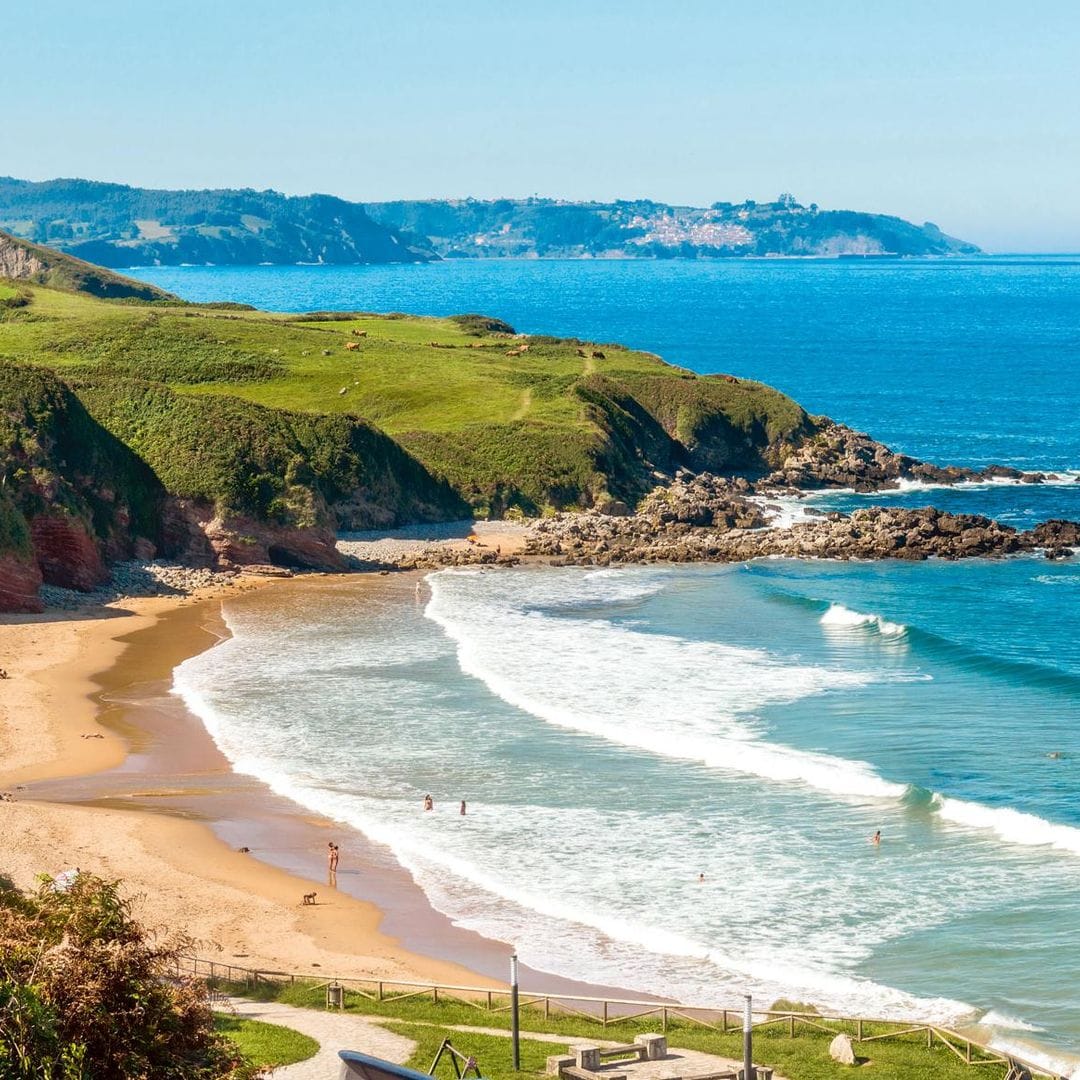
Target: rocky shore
693,517
836,456
704,518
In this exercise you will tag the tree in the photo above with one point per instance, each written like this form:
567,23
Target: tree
87,993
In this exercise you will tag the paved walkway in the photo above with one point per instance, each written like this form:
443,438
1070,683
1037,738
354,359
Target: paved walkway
332,1030
336,1031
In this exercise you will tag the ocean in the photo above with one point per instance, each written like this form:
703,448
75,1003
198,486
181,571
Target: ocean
619,733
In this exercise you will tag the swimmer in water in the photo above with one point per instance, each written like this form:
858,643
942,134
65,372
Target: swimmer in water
876,838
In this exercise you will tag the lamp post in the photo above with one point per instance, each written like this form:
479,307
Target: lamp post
515,1048
747,1042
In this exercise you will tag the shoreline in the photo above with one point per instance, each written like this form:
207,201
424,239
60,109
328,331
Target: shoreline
149,799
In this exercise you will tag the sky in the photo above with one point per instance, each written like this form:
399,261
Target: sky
962,113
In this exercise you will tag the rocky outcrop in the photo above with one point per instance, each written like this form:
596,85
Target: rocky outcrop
20,580
67,555
198,535
836,456
675,526
19,262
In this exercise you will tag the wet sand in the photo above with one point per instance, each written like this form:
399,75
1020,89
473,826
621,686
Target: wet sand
154,803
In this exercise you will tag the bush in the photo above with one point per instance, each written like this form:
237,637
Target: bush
86,993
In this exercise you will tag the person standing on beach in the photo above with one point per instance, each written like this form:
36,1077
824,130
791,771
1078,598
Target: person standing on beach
332,856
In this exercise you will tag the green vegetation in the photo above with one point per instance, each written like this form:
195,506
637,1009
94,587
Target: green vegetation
531,424
116,225
803,1056
84,994
641,228
265,1045
29,262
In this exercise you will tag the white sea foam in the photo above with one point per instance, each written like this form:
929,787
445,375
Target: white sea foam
999,1019
1053,1064
548,667
558,881
1013,826
1055,478
839,617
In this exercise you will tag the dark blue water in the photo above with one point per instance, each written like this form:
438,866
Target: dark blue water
757,722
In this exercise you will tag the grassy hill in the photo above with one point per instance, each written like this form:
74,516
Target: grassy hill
532,423
22,261
117,225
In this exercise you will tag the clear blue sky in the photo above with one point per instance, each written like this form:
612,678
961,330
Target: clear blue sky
963,113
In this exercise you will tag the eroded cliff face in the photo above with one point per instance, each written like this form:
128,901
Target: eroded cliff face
20,580
67,555
18,262
196,534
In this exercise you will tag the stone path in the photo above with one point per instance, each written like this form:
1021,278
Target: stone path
333,1031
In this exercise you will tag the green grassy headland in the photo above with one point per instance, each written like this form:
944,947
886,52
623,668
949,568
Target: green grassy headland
534,423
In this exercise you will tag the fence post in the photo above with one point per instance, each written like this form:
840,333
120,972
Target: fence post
663,1020
605,1013
858,1029
514,1032
724,1021
748,1041
792,1021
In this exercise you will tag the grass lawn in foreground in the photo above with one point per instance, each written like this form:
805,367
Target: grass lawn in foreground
804,1056
267,1045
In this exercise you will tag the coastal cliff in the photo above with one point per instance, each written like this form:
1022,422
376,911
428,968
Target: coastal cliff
223,437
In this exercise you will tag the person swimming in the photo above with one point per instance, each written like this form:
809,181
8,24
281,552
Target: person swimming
876,838
429,803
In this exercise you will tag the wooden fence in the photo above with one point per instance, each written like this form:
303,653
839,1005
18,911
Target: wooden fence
604,1011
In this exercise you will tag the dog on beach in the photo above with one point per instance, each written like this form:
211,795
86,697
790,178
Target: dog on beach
309,898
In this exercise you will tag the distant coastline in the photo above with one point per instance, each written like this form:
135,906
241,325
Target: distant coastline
115,225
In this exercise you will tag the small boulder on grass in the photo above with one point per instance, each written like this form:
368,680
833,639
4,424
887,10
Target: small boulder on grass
841,1050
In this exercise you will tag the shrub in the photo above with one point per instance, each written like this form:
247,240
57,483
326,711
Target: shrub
86,993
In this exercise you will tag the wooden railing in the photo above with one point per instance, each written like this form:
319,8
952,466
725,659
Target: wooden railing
605,1010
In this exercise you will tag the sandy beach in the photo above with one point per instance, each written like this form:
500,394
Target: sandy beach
57,726
106,771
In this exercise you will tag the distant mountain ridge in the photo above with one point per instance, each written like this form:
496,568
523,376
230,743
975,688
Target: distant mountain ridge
550,228
115,225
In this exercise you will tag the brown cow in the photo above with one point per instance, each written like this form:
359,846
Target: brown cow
359,333
598,355
350,345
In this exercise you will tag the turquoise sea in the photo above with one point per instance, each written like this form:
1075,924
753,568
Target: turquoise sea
617,733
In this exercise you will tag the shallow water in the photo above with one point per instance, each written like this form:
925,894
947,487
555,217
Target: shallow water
618,733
